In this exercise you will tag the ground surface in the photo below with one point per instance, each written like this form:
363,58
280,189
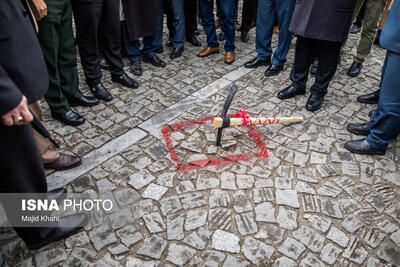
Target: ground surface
308,203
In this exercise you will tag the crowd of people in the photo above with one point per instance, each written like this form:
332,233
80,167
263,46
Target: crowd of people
38,58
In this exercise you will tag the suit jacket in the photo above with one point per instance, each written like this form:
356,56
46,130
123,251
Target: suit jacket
22,67
390,36
328,20
141,17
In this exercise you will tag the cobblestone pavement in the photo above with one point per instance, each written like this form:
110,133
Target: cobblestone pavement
309,203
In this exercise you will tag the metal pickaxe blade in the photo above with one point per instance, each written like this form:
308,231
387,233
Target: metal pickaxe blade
228,101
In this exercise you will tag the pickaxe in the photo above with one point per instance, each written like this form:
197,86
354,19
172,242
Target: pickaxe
224,121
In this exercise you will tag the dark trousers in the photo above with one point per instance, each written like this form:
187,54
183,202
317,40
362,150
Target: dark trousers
58,46
208,22
384,124
133,52
328,60
249,15
219,9
190,8
176,23
89,16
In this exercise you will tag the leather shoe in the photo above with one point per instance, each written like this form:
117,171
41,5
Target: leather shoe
314,102
208,51
64,162
84,101
245,37
255,62
355,69
229,57
358,128
103,64
67,226
371,113
101,92
273,70
362,147
159,50
194,41
58,194
291,91
169,43
176,52
69,118
155,61
125,80
371,98
314,66
136,68
355,29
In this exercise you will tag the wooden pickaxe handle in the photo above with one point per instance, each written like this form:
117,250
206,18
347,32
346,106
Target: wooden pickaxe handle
218,122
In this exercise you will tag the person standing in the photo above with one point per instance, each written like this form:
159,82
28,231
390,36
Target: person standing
208,22
383,127
190,7
89,16
24,80
322,24
249,18
264,31
58,46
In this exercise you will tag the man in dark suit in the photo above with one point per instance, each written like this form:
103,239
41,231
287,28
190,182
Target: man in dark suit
90,17
383,127
23,80
317,23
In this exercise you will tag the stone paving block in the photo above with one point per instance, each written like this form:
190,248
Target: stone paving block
225,241
287,198
117,250
154,222
373,237
185,187
135,262
143,207
245,223
387,226
320,223
241,202
265,212
326,171
141,179
287,218
105,185
79,257
130,235
154,191
166,179
50,257
352,223
220,218
262,195
179,255
389,253
152,247
228,181
396,237
219,198
170,205
270,234
204,183
331,208
121,218
198,239
232,261
126,197
262,183
195,219
210,258
310,238
307,175
330,253
284,262
175,226
244,181
394,178
311,260
329,189
102,237
77,240
192,200
338,237
302,187
354,251
257,252
291,248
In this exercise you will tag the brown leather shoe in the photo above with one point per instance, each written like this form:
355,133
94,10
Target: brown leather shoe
208,51
229,57
64,162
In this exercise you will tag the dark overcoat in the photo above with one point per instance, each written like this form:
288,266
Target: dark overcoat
390,37
328,20
141,17
22,67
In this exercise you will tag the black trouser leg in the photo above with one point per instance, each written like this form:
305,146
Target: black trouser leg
249,15
360,16
170,19
305,48
190,7
329,53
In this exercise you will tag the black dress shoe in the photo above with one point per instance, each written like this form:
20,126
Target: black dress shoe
273,70
358,128
159,50
169,43
355,69
103,64
101,92
255,62
67,226
245,37
58,194
314,66
69,118
371,98
194,41
355,29
371,113
125,80
155,61
314,102
362,147
221,36
84,101
291,91
135,68
176,52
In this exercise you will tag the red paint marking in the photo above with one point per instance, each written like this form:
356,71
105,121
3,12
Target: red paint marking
201,163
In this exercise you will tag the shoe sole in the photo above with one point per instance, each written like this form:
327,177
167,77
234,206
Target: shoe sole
229,63
358,133
361,152
74,104
367,102
212,53
273,74
254,67
283,98
66,168
151,62
68,123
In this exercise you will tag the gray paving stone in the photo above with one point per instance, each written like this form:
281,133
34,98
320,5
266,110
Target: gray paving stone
105,185
117,250
141,179
77,240
179,255
198,239
192,200
228,181
154,191
287,218
129,235
121,218
80,257
291,248
393,178
326,171
143,207
389,253
135,262
166,179
232,261
126,197
338,237
175,226
257,252
329,189
352,223
284,262
210,258
262,195
270,234
170,205
245,223
303,187
241,202
310,238
265,212
219,198
50,257
225,241
373,237
354,251
396,237
152,247
261,183
311,260
331,208
244,181
220,218
307,175
287,198
185,187
204,183
387,226
154,222
195,219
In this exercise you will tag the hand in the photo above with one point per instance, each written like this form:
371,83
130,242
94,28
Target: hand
41,8
14,116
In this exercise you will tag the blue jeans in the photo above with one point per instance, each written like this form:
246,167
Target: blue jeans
133,52
227,17
384,125
267,10
178,23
